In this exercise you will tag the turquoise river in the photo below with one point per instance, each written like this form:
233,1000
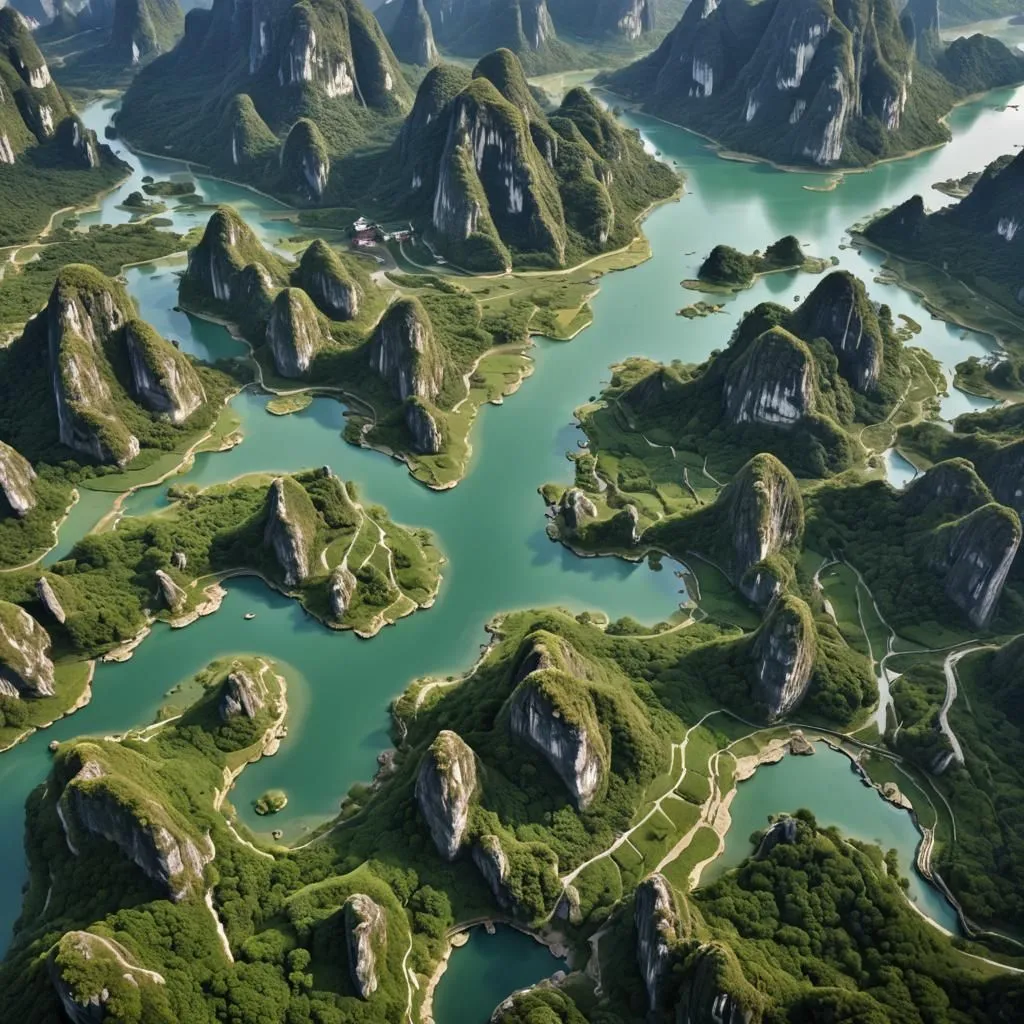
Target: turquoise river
491,527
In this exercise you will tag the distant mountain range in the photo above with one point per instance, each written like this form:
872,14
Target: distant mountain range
815,82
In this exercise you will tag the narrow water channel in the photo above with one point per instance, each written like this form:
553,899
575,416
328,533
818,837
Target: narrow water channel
491,527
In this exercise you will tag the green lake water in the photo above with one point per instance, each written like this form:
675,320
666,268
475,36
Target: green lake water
491,527
486,970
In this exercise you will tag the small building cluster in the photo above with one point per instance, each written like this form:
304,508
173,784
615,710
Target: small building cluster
366,234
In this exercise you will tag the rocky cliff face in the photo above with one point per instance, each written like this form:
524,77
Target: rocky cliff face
305,160
327,281
839,311
366,937
492,181
242,694
25,666
96,802
230,265
657,925
796,81
294,335
403,351
17,483
783,653
340,588
174,598
1004,474
492,863
293,60
975,554
764,512
771,383
445,786
714,990
412,35
84,310
291,529
423,426
163,379
576,508
782,832
545,712
49,599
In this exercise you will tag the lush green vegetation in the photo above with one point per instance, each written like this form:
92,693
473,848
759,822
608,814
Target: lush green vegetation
27,282
985,866
685,80
729,269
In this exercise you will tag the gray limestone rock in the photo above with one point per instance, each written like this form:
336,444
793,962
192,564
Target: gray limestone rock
242,695
575,507
163,379
293,332
492,862
25,666
17,483
340,588
49,600
574,748
174,597
427,436
366,938
445,786
783,650
289,531
657,926
403,351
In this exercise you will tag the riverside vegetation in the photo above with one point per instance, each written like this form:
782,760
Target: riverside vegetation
576,781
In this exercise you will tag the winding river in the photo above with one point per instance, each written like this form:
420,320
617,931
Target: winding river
491,527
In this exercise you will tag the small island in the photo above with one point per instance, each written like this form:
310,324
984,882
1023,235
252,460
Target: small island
168,189
137,203
271,802
728,270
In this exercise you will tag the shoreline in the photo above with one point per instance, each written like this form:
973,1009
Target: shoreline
734,156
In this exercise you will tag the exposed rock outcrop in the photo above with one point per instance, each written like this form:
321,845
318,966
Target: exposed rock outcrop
142,29
403,351
174,597
305,160
340,588
840,311
783,653
423,425
323,276
85,309
764,514
975,553
98,802
715,990
25,666
293,332
492,862
952,486
657,927
290,531
445,786
555,714
808,82
163,379
366,937
49,599
1003,471
575,508
17,483
771,382
230,265
242,694
493,186
781,832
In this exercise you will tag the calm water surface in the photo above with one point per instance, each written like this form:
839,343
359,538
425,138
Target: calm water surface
491,527
486,970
